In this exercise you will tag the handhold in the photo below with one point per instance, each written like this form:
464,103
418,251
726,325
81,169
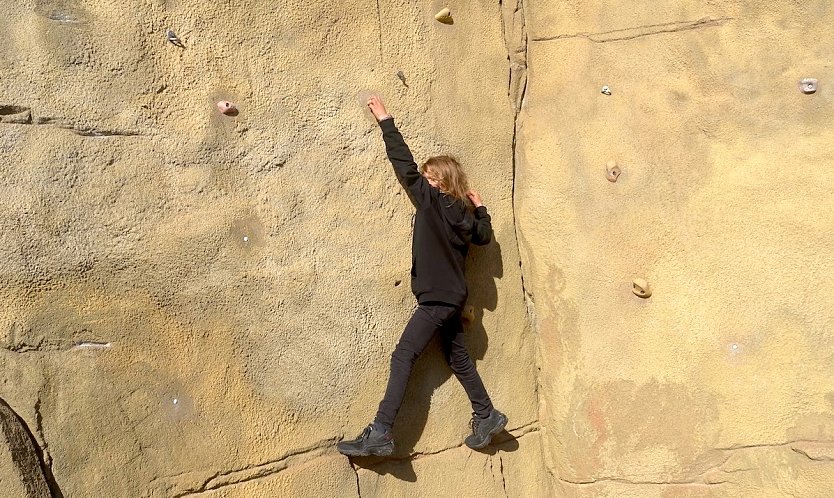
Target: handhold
172,37
445,16
641,288
468,313
605,90
808,85
401,76
612,171
227,108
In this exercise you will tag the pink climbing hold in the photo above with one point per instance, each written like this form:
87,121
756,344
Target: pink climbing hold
227,108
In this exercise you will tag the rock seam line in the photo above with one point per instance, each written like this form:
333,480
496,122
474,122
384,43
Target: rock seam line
626,34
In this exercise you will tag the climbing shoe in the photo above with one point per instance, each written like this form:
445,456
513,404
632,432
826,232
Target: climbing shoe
370,442
484,428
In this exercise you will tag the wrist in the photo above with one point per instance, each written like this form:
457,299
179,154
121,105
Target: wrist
383,118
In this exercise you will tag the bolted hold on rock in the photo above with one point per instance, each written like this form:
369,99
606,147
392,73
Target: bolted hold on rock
612,171
444,16
641,288
808,85
468,313
227,108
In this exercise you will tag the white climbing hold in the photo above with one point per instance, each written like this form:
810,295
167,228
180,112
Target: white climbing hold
808,85
444,16
605,90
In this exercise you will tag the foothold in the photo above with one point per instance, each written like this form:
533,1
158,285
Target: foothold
444,16
172,37
605,90
401,76
246,239
468,313
808,85
227,108
641,288
176,401
612,171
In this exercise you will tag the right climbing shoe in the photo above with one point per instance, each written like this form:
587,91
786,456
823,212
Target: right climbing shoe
484,428
370,442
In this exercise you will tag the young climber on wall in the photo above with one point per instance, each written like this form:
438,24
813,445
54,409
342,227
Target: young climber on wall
448,217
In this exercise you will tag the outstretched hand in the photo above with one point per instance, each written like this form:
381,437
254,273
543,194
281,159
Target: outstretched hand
475,198
377,108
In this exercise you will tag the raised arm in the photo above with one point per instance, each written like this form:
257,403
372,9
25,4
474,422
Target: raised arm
400,155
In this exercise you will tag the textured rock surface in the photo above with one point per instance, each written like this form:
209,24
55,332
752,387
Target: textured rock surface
707,387
202,304
199,302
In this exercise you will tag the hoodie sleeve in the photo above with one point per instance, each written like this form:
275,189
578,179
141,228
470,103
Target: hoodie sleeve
482,231
405,168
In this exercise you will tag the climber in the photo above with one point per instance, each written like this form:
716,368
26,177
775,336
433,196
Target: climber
448,217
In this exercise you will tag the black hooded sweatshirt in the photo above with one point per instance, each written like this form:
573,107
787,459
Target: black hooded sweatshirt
443,228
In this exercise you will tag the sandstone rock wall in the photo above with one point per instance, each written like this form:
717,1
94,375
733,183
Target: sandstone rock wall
200,304
195,302
718,383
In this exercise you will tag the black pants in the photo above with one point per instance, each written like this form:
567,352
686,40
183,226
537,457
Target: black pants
426,321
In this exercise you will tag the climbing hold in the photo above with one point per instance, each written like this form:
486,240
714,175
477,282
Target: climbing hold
605,90
401,76
172,37
445,16
808,85
641,288
468,313
227,108
612,171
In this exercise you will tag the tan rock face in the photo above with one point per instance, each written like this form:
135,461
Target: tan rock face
201,301
706,387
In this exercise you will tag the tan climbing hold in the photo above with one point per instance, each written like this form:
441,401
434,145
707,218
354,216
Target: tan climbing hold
612,171
227,108
468,313
641,288
444,16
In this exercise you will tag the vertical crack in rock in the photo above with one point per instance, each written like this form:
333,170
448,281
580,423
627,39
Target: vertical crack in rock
503,478
514,29
379,25
356,473
47,458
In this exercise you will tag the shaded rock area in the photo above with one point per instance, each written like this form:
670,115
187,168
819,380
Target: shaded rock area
21,474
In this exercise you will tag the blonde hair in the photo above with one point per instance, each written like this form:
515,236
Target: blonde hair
449,174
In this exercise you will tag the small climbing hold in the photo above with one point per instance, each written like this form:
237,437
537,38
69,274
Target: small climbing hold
612,171
605,90
468,313
641,288
808,85
401,76
172,37
227,108
445,16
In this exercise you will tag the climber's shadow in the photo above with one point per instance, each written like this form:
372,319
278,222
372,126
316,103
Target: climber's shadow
430,371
